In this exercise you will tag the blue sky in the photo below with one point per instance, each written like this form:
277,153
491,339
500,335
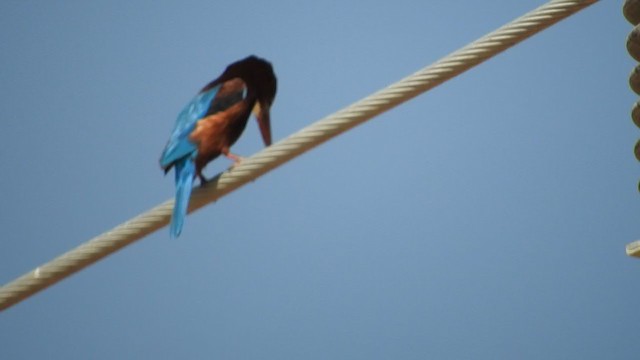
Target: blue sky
485,219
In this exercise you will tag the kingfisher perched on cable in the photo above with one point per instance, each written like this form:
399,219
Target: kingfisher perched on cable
213,121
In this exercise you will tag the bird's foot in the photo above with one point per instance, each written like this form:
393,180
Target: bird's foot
237,159
203,180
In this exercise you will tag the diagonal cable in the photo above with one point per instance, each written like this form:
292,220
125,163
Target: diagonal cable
277,154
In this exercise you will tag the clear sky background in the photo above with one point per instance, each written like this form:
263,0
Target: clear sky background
486,219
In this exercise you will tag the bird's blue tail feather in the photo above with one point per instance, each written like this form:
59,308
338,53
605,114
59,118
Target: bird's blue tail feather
185,170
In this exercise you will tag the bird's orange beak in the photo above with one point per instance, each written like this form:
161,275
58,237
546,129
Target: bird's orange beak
262,113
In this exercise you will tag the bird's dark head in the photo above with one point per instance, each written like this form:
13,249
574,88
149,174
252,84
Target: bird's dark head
257,73
261,82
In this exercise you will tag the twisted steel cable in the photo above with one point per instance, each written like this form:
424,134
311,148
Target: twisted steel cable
631,11
271,157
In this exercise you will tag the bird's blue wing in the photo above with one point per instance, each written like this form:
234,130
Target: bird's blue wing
179,144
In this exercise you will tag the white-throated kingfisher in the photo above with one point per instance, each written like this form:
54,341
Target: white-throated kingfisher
213,121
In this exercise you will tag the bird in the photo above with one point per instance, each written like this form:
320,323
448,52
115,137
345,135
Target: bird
213,121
